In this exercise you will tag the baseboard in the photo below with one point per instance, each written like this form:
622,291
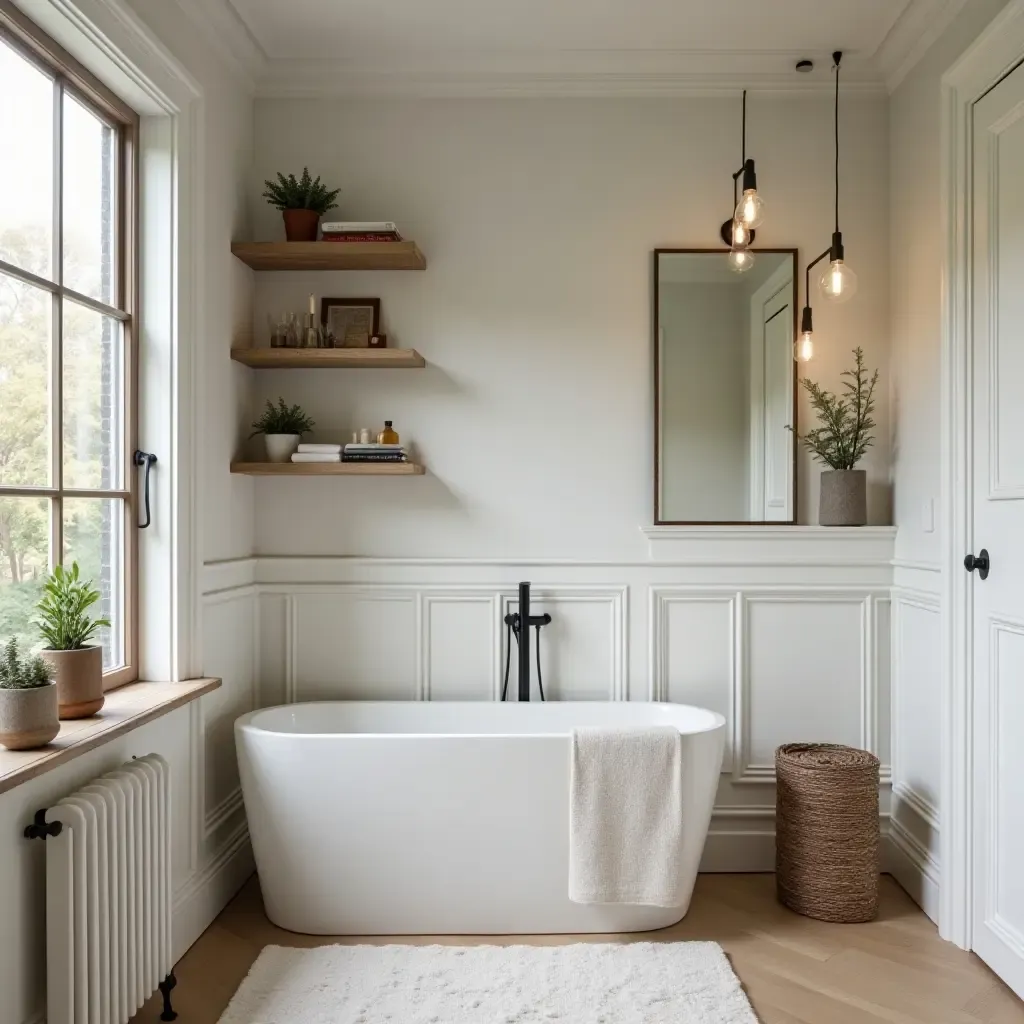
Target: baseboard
739,851
913,867
210,889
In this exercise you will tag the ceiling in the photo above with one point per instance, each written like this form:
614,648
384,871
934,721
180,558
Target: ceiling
585,46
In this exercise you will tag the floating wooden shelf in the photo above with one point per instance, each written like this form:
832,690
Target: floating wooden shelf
330,255
316,358
328,468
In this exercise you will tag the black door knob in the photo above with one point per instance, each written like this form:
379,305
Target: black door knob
979,562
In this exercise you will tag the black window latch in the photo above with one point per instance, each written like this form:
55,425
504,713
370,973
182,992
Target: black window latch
141,458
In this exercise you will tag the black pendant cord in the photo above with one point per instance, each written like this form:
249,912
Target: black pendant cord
743,149
745,172
837,57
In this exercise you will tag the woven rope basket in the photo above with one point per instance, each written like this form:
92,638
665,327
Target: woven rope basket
826,831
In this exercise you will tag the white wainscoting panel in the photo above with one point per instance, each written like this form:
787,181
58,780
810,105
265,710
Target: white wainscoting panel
696,651
917,670
229,640
805,674
355,643
916,767
583,650
462,649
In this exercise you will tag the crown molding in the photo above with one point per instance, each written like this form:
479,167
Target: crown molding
597,73
224,28
914,32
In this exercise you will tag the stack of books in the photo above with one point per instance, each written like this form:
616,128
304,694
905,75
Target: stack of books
318,453
360,231
374,453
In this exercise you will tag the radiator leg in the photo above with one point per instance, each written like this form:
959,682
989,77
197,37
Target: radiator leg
165,987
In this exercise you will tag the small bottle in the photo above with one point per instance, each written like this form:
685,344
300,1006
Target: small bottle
387,435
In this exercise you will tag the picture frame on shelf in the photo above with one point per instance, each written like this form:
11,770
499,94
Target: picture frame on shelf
378,340
352,322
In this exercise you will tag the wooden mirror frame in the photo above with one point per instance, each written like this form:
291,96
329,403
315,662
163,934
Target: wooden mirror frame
794,254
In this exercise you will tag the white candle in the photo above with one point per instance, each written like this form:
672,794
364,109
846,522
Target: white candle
312,305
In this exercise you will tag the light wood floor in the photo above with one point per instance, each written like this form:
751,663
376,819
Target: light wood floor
795,971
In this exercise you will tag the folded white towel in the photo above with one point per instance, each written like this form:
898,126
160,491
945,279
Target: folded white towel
315,457
626,816
321,449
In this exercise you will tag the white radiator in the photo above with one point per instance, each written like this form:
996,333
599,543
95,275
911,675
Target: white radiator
108,895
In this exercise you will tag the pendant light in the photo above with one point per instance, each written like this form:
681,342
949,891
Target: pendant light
837,281
748,210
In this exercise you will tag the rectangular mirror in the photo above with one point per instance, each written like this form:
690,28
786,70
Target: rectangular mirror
725,388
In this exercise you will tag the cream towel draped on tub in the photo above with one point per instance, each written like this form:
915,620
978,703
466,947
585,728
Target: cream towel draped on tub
625,816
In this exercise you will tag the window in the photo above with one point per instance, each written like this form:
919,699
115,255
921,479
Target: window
67,337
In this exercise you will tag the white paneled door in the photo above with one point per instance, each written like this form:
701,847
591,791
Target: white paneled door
996,562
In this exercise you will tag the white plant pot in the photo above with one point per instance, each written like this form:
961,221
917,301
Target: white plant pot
281,447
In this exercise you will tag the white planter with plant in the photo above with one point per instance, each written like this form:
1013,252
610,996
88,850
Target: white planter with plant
841,442
282,427
28,701
68,629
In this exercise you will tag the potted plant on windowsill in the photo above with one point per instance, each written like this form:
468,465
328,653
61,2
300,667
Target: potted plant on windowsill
28,701
68,629
282,427
302,202
841,442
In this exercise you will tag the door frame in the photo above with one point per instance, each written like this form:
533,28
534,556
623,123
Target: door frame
993,55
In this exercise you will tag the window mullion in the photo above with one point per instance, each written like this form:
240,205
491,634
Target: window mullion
57,347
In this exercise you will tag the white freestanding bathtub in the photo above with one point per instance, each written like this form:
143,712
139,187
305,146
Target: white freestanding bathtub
419,818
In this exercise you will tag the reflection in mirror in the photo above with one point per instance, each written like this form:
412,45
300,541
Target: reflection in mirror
724,386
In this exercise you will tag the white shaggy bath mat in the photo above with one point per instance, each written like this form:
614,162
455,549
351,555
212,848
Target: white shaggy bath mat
637,983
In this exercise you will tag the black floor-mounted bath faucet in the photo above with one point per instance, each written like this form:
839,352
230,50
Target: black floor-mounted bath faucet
520,623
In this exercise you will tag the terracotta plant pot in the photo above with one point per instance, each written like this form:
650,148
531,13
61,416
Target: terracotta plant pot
79,678
300,225
281,447
28,718
843,500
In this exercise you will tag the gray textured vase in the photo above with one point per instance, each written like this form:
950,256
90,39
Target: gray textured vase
28,718
844,498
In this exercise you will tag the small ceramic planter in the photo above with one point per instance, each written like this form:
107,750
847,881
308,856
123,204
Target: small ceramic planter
843,499
79,678
301,225
28,718
281,447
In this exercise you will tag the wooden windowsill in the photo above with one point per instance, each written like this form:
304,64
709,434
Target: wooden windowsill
125,709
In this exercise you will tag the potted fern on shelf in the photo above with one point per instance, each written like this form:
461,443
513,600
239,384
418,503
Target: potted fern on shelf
282,427
841,441
302,202
28,700
69,630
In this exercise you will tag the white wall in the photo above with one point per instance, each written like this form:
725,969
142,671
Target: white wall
705,402
917,245
538,218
